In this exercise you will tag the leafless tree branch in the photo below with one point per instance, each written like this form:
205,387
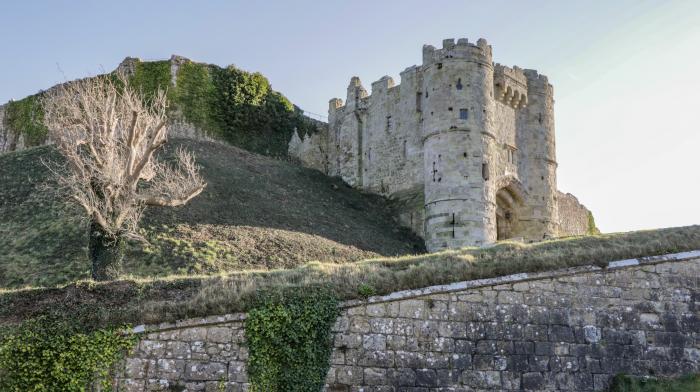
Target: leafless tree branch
108,135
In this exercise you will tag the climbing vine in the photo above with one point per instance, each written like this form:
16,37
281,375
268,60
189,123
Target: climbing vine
150,76
592,229
50,354
26,117
290,342
238,106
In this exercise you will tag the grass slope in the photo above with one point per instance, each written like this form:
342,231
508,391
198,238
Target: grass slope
173,298
256,213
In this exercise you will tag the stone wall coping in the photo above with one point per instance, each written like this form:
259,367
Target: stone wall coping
440,289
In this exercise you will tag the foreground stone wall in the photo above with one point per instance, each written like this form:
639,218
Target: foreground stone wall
564,330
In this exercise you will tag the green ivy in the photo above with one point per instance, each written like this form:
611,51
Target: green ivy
290,341
592,229
151,76
49,354
26,117
238,106
195,95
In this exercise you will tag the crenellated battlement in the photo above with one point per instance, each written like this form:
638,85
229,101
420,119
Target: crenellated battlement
383,84
537,83
510,86
462,49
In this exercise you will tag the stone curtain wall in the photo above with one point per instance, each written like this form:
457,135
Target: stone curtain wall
564,330
573,216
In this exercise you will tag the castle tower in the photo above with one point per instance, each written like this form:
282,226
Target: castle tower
458,144
537,156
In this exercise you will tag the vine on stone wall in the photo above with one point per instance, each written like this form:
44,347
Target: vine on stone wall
26,117
592,229
151,76
290,341
49,354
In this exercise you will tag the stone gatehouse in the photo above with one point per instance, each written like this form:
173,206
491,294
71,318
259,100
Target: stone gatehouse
464,144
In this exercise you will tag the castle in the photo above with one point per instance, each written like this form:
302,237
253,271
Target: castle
464,145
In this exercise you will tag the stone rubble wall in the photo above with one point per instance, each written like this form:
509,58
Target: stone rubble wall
573,216
556,331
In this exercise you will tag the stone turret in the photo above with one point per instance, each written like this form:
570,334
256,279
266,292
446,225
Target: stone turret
457,143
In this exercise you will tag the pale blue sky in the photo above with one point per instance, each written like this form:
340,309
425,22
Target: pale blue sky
626,74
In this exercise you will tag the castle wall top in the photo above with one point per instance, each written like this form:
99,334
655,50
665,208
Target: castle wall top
479,52
538,83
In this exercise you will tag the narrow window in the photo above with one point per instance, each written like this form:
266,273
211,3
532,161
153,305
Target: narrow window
463,114
485,171
459,84
405,150
450,108
439,66
388,123
418,101
369,154
453,225
426,94
539,118
434,171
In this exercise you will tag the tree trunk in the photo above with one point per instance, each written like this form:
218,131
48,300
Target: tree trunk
106,253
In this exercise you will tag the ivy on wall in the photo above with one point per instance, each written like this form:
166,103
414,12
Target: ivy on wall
234,105
592,229
26,117
237,106
290,341
151,76
49,354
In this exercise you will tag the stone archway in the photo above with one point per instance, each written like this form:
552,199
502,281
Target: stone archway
509,208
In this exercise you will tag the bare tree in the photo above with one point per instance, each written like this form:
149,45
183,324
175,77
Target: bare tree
108,134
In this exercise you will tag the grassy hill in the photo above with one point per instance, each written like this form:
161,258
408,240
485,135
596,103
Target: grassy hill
256,213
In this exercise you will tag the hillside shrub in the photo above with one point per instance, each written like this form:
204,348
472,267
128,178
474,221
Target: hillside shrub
290,342
49,354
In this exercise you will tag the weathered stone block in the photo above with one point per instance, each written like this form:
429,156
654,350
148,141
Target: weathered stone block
171,369
219,335
203,371
482,379
374,342
374,376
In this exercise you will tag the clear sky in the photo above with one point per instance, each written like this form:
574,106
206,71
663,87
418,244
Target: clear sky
626,74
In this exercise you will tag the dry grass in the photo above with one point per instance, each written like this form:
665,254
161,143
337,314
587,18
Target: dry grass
167,299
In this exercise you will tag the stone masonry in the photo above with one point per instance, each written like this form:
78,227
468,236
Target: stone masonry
465,144
568,330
